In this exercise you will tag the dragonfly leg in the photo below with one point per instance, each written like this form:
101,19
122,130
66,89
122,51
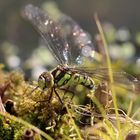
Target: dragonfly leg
34,89
58,96
39,101
50,96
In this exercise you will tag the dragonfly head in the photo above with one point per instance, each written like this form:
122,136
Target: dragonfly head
45,80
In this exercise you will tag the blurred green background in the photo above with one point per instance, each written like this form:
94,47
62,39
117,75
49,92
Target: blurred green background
120,20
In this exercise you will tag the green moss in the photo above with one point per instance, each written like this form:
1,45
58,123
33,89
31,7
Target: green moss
51,117
8,128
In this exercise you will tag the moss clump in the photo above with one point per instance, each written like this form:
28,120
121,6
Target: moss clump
9,129
50,119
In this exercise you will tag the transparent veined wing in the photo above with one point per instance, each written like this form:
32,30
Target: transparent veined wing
50,32
78,39
68,42
121,78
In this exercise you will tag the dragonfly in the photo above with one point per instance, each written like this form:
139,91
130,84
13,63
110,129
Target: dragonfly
69,49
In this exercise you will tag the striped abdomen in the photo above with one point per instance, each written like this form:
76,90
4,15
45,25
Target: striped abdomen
63,76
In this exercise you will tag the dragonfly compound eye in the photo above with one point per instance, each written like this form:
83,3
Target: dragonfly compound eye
45,80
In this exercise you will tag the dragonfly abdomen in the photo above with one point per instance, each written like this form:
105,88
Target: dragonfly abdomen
65,77
84,80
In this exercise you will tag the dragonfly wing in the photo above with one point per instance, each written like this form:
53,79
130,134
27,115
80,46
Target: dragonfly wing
121,78
50,32
79,40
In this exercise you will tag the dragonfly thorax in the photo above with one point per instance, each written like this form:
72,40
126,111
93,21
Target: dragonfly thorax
46,80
